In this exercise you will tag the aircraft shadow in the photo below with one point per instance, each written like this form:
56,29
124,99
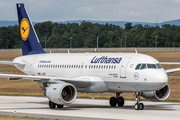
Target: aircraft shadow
168,107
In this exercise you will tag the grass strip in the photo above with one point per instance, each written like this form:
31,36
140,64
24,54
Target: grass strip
22,118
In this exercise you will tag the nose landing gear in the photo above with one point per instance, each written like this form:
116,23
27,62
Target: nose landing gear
138,105
116,100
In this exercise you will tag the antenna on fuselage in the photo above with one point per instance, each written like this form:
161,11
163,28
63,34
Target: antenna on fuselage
136,51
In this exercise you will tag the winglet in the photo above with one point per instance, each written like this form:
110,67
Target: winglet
68,50
136,51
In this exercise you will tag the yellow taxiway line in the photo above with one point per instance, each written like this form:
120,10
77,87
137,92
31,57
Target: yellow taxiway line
68,115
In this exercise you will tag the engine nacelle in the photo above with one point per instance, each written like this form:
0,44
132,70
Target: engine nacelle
61,93
158,95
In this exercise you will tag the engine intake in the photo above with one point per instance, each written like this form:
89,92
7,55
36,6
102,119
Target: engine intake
61,93
67,93
158,95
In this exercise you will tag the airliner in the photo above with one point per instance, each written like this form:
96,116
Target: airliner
62,75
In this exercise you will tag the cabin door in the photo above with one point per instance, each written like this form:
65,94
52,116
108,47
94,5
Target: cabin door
123,67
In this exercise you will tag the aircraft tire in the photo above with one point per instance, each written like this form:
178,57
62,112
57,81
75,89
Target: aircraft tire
112,101
141,106
136,106
52,105
60,106
120,101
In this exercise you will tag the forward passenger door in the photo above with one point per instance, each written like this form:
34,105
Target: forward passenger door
123,67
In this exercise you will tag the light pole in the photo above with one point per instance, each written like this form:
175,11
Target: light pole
125,41
120,42
97,43
70,42
45,42
156,41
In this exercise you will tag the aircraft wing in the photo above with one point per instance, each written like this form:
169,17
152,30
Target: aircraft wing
78,81
169,71
170,63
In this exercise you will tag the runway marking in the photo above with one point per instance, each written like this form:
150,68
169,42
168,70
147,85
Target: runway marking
164,110
68,115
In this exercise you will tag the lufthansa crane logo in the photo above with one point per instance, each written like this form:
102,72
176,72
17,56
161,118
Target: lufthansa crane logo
136,76
24,29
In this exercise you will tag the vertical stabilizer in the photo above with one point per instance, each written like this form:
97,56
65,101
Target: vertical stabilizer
29,41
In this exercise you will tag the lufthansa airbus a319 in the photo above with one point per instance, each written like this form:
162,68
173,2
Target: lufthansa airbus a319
62,75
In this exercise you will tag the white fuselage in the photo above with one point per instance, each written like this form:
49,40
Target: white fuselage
108,72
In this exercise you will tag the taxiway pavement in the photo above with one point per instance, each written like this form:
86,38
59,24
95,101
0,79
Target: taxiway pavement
87,109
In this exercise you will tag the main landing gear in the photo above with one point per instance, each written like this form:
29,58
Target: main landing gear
138,105
53,105
116,100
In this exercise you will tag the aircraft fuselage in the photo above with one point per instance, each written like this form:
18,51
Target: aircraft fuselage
107,72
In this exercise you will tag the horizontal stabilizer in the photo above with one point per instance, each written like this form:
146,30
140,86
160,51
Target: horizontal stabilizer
11,63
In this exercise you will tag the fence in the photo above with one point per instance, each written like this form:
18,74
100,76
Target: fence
103,49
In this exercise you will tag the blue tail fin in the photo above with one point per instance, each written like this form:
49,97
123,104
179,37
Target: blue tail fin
29,40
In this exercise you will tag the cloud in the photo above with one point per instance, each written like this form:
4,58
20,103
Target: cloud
114,10
176,1
132,13
84,10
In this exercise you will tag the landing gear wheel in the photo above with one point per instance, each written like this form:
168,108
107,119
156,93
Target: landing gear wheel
120,101
112,101
136,106
141,106
60,106
52,105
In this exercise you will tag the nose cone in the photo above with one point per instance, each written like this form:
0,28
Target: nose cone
160,79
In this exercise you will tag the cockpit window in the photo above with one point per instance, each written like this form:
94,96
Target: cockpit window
148,66
143,66
138,66
151,66
159,66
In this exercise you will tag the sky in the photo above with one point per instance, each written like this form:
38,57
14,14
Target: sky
99,10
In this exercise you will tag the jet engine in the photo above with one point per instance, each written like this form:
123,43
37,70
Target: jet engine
61,92
158,95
